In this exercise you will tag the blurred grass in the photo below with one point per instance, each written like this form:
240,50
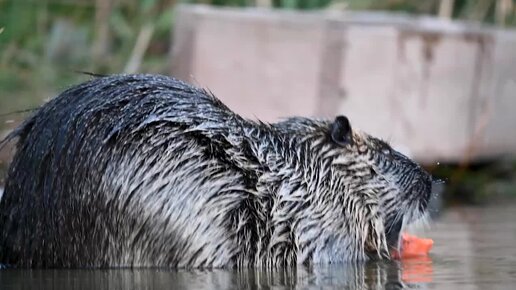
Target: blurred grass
479,183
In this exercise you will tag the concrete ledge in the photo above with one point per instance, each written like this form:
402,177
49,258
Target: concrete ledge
438,91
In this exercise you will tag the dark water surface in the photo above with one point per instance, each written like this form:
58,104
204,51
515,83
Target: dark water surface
474,248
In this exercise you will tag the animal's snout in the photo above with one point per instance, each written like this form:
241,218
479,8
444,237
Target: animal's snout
422,188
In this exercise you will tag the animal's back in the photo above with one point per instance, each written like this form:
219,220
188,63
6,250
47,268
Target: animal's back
117,171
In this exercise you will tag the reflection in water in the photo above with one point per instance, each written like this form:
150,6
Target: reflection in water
417,270
474,248
373,275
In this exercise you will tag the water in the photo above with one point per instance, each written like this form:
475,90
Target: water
474,248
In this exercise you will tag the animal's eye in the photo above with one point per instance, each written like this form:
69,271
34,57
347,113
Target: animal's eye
341,131
386,151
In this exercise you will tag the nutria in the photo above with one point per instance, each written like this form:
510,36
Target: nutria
146,170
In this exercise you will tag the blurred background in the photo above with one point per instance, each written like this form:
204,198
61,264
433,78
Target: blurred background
436,78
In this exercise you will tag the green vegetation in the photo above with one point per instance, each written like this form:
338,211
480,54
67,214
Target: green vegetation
479,183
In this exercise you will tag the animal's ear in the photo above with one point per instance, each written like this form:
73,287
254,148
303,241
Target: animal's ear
341,132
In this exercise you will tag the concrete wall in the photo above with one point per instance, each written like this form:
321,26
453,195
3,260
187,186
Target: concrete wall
437,91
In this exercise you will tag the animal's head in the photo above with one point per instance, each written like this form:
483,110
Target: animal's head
400,188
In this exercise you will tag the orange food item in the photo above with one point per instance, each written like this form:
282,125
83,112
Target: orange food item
413,246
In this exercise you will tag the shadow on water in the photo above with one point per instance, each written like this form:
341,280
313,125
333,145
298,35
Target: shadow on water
474,248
